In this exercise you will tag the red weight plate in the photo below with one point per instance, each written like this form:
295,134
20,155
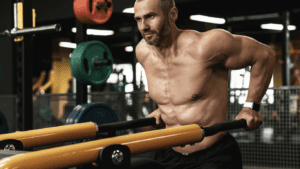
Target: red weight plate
103,15
93,15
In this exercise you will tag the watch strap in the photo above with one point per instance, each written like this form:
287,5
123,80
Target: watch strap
253,105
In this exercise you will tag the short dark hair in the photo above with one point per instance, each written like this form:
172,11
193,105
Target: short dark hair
165,5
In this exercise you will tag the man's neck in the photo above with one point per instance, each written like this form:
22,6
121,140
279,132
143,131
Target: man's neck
168,45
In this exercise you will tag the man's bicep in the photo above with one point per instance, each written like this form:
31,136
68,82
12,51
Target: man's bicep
242,52
224,49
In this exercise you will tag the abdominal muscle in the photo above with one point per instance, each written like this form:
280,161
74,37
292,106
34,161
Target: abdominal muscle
203,112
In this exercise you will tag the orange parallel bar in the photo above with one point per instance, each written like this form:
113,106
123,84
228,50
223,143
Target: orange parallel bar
88,152
53,135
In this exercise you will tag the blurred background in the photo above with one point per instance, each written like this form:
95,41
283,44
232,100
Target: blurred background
276,144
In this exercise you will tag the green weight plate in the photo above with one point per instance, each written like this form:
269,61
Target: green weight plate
82,62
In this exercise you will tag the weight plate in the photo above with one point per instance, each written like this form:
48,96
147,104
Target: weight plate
91,13
82,62
73,114
3,124
98,113
71,118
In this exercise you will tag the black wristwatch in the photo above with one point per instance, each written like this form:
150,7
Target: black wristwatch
253,105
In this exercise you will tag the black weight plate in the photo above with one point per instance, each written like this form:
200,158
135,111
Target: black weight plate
98,113
3,124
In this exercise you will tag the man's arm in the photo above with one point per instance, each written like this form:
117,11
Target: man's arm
237,52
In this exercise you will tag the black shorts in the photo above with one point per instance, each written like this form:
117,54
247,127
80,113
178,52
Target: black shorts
224,154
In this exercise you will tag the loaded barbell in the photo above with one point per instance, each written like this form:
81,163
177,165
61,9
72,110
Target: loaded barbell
91,62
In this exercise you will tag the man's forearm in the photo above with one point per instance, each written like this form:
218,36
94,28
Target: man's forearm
261,75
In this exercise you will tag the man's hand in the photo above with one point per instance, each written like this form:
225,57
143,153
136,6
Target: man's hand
253,118
159,122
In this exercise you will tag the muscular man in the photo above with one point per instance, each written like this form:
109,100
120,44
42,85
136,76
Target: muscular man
187,74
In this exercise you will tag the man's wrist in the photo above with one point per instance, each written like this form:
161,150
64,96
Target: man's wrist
252,105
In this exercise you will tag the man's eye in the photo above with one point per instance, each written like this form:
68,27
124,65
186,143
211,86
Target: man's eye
150,16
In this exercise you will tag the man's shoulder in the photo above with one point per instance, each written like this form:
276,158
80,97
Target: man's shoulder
142,50
189,35
193,34
206,45
210,40
215,36
189,39
142,43
193,37
142,47
216,32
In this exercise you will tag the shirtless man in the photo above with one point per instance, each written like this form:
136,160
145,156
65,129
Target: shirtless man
187,74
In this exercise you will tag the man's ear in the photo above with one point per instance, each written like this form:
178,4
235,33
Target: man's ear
173,14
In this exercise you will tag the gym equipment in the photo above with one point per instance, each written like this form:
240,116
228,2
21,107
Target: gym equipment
23,140
6,153
87,153
93,12
48,136
91,62
3,124
18,31
15,32
97,113
115,155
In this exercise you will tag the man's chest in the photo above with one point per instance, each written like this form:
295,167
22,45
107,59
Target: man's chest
178,78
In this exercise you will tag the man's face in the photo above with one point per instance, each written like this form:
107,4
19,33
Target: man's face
151,21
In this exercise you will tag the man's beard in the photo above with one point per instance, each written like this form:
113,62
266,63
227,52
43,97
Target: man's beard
159,36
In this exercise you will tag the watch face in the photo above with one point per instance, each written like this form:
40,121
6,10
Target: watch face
248,104
252,105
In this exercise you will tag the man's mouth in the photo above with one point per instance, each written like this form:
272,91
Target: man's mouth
148,34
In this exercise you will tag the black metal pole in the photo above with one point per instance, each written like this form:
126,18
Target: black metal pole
81,89
223,126
103,128
135,41
26,96
286,67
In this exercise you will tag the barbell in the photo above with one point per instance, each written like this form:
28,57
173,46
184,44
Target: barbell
91,62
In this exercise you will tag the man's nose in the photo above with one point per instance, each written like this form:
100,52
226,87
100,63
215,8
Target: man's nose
145,26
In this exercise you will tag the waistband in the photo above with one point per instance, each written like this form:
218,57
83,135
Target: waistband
225,137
